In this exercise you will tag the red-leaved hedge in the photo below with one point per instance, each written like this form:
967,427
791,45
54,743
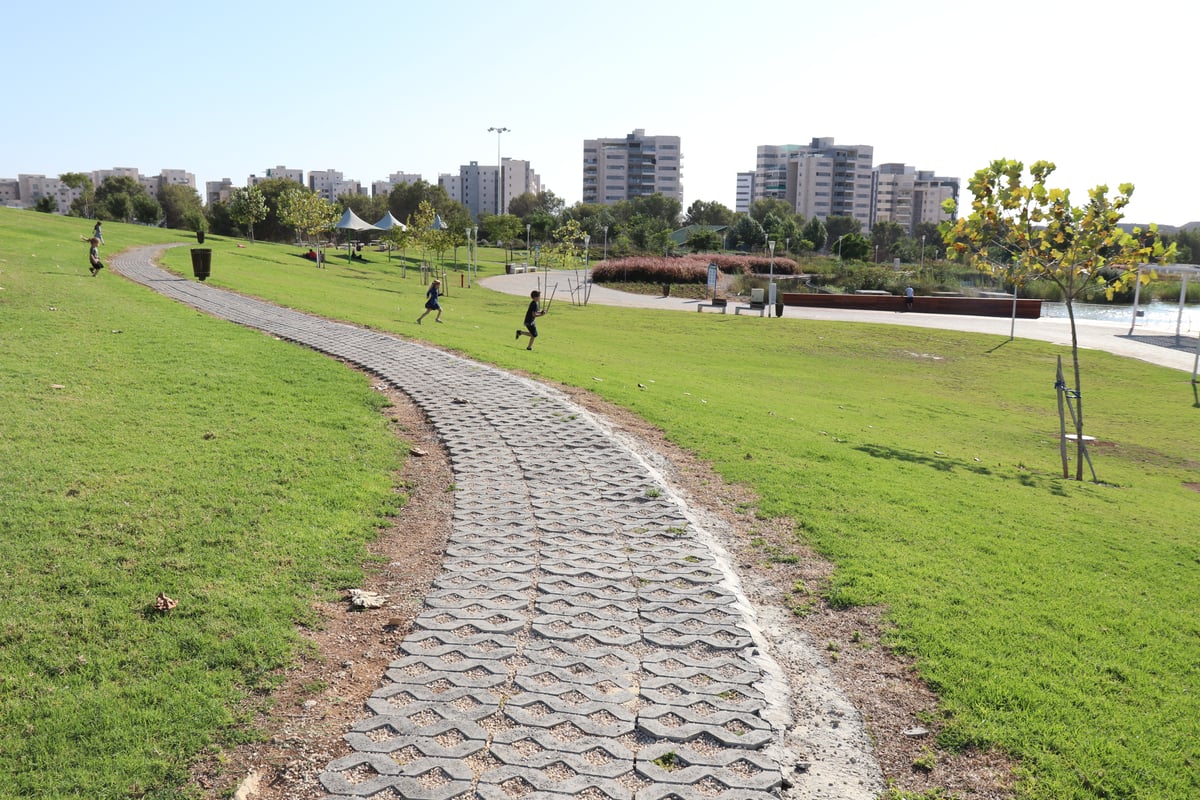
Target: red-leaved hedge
686,269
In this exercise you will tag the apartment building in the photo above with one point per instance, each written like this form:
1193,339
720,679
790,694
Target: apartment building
745,192
475,185
634,166
384,188
296,175
909,197
330,184
820,179
218,191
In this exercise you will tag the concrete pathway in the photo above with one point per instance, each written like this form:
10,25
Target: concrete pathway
1155,346
587,637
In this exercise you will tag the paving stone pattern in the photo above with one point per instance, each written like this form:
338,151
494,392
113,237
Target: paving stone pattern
581,641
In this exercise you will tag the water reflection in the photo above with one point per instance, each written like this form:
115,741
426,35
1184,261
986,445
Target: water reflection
1156,315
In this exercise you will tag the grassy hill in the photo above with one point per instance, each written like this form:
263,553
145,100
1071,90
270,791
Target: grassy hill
143,443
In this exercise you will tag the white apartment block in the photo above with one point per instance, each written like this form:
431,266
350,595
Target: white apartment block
331,185
518,177
452,185
745,192
909,197
477,186
280,171
395,179
26,190
929,192
218,191
10,192
893,192
635,166
820,179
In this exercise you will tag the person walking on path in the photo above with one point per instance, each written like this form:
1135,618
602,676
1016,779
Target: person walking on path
908,299
94,256
531,315
97,234
431,302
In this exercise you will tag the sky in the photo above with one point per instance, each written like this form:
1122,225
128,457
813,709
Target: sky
227,89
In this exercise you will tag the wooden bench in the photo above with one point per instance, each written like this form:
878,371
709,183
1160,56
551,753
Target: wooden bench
716,303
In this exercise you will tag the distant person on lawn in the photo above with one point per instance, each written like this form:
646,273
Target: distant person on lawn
431,302
97,234
531,314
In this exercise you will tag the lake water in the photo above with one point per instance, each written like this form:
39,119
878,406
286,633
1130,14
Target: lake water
1157,316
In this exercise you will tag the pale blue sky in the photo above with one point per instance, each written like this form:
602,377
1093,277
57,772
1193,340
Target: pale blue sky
226,89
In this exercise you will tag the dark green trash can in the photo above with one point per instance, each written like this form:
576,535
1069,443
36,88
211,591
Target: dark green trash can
201,262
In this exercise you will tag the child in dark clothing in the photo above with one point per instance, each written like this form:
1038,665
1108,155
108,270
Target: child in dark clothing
94,256
531,314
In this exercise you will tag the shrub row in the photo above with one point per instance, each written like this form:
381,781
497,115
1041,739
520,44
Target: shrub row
687,269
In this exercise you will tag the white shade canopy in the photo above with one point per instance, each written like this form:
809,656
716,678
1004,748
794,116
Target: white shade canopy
352,222
388,222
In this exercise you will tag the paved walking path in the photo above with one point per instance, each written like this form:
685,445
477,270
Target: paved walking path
586,637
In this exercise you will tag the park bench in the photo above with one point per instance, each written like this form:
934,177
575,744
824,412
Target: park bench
717,303
757,303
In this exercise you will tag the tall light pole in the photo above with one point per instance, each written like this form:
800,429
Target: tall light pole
499,166
922,251
606,243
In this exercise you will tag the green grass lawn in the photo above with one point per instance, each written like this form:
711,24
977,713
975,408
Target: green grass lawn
1057,620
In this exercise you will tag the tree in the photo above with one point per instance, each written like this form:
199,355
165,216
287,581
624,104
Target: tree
502,228
46,204
814,231
85,204
179,205
308,213
114,198
782,209
838,226
703,239
886,237
658,207
706,212
146,209
247,206
853,247
1028,231
527,204
745,234
927,233
405,200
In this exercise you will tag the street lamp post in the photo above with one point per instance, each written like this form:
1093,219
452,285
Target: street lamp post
771,282
922,251
527,228
839,245
499,166
606,243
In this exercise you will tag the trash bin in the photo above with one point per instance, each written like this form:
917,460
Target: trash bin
200,237
779,309
201,262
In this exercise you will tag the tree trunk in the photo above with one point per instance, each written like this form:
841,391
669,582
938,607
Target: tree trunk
1078,396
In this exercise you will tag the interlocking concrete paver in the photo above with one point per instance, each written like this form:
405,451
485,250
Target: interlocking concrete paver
583,637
